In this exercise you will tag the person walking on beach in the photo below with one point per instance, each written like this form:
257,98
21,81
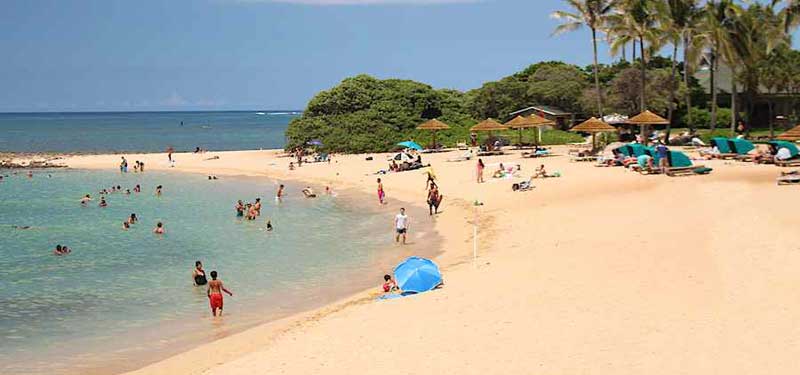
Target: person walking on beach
215,289
479,170
170,150
381,193
401,225
434,199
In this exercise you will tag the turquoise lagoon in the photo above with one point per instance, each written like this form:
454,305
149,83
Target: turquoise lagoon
125,298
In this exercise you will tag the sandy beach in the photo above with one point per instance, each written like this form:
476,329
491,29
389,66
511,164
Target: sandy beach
599,271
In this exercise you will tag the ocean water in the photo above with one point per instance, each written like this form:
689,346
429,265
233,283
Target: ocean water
142,131
125,297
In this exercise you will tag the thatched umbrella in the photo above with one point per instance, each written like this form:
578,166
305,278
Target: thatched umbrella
532,121
792,134
433,125
488,125
646,118
593,126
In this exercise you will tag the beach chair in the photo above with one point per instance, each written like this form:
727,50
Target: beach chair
491,153
537,154
724,148
463,157
462,146
789,178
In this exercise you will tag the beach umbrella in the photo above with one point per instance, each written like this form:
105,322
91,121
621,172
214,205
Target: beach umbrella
417,275
488,125
792,134
532,121
410,144
646,118
593,126
433,125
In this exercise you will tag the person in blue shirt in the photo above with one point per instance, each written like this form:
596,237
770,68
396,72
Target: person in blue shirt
663,160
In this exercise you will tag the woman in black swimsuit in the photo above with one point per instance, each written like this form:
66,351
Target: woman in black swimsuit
198,274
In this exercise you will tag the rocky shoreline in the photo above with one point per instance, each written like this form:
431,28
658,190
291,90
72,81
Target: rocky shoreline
30,161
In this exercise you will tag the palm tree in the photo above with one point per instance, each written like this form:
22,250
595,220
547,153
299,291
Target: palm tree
679,22
592,14
636,21
752,34
711,34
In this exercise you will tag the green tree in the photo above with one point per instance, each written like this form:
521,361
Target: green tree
592,14
558,86
680,21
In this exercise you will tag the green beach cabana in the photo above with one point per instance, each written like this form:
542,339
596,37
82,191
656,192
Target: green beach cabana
788,145
740,146
723,146
632,149
676,159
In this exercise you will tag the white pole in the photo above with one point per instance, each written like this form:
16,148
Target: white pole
475,238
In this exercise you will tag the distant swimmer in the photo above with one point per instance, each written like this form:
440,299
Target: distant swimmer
127,191
132,219
61,250
103,202
309,192
199,274
30,174
269,225
158,190
125,225
22,227
85,200
137,189
159,229
215,289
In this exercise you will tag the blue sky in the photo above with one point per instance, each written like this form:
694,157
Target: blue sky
258,54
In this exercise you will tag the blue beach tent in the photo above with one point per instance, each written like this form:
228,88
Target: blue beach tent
410,144
417,275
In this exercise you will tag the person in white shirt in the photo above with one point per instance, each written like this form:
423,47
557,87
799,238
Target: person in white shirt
783,154
401,225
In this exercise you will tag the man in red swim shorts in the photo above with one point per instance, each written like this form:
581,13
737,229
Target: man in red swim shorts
215,289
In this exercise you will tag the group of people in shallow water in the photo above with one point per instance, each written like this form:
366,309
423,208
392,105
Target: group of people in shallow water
251,211
132,219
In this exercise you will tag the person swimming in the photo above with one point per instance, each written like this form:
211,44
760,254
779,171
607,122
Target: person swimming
159,229
103,202
269,225
61,250
85,200
199,274
309,192
158,190
137,189
125,225
132,219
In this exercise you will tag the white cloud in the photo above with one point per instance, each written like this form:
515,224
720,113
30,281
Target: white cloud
361,2
174,100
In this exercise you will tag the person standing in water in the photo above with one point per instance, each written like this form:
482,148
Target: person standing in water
279,194
381,193
199,274
401,225
257,207
215,289
159,229
158,190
